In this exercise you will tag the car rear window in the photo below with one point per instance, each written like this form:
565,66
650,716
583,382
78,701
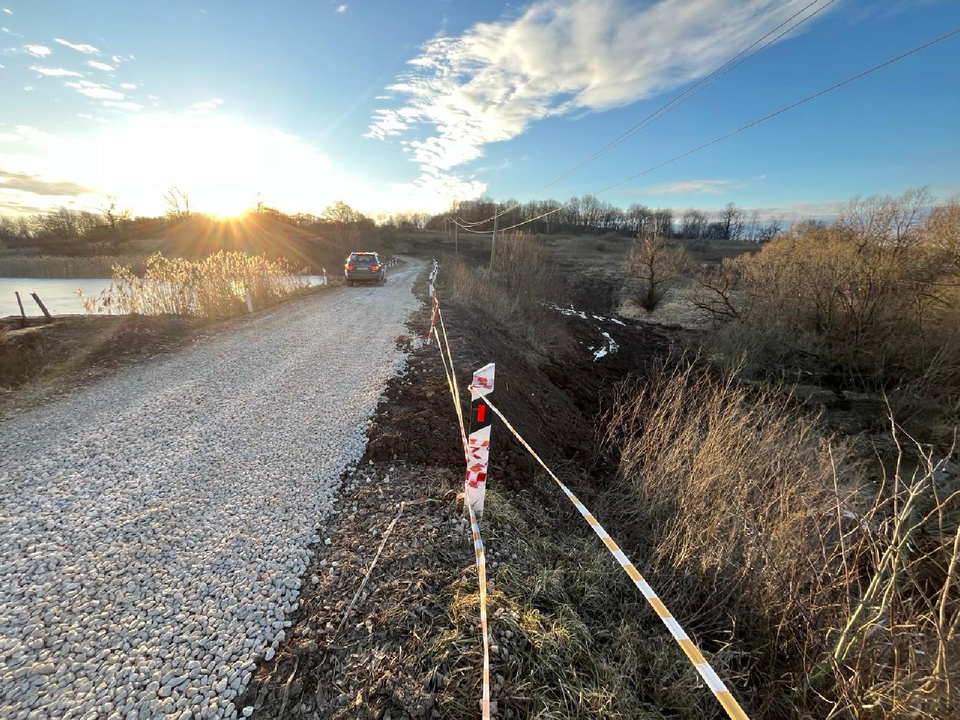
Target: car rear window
363,259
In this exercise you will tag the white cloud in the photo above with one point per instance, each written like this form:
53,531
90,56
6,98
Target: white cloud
560,57
131,106
37,50
207,105
100,65
152,97
341,8
117,59
28,88
828,210
55,72
79,47
128,86
95,90
713,187
8,11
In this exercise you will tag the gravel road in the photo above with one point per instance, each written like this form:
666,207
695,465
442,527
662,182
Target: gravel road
154,526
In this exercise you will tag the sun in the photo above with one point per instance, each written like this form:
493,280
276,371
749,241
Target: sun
223,163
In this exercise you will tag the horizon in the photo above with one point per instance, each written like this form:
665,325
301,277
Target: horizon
406,110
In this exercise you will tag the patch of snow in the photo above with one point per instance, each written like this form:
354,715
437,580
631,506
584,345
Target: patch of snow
609,348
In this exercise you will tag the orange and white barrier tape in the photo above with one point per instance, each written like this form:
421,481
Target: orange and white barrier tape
723,695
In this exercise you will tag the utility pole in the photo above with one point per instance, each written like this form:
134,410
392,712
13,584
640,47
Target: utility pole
493,245
456,227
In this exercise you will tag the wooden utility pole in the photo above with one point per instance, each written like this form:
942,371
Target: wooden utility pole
493,244
456,227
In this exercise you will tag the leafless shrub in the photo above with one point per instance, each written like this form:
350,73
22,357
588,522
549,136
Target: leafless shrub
523,265
656,266
877,292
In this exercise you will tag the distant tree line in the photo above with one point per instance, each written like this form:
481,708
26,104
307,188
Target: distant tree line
66,231
588,215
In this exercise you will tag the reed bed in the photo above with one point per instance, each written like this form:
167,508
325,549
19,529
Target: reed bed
214,287
66,266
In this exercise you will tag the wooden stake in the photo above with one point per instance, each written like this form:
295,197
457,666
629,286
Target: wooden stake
46,313
23,313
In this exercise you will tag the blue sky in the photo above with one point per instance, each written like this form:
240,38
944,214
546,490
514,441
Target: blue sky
399,106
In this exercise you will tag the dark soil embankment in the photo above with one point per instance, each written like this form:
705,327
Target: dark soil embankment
559,607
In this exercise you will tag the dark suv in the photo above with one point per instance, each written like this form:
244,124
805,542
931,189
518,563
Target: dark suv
364,267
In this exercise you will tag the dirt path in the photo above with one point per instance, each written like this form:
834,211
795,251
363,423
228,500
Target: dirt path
154,525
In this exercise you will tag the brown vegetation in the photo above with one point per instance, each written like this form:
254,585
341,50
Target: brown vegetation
876,293
737,510
655,265
522,282
63,266
215,287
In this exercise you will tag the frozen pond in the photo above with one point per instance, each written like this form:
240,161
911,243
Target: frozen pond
59,295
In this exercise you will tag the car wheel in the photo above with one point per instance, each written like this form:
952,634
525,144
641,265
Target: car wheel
349,283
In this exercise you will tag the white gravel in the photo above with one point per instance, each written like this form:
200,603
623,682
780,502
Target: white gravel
154,526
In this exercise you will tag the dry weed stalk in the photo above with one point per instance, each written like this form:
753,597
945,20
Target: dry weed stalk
214,287
844,604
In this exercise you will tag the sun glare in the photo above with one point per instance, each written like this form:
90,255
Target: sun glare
220,161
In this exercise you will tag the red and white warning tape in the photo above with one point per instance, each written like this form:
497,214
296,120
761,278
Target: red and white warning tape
482,576
723,695
479,556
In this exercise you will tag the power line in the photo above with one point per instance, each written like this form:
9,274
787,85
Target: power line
739,130
678,100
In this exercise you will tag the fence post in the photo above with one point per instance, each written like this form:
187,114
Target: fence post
46,313
23,314
249,301
478,442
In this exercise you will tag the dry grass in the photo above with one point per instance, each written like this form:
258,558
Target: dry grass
754,526
522,284
63,266
215,287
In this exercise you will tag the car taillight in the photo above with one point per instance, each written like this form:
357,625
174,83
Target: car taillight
351,267
374,267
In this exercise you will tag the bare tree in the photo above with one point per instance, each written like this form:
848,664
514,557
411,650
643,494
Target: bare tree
656,266
178,204
345,222
768,232
662,223
693,224
733,219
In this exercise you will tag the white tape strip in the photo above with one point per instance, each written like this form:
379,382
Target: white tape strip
720,691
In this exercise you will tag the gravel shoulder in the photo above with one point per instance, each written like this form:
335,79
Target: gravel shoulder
154,526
